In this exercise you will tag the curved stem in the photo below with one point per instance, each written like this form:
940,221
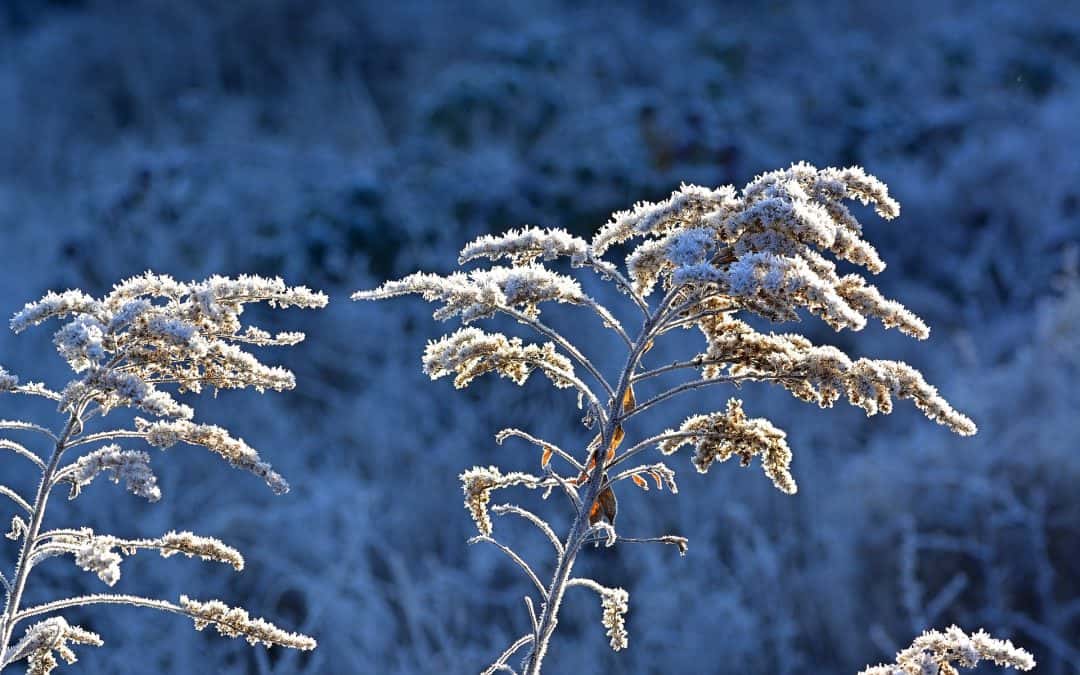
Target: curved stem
99,599
21,450
518,560
610,320
652,440
106,436
580,528
506,433
27,426
536,520
606,269
558,339
14,496
500,663
697,384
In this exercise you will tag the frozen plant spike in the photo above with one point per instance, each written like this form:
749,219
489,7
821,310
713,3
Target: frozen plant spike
141,346
703,258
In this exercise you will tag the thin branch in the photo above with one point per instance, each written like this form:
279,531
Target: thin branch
674,540
571,493
502,509
587,583
6,583
652,440
570,349
37,389
14,496
21,450
675,365
107,436
65,532
605,269
517,559
500,663
98,599
609,320
532,615
27,426
506,433
657,470
697,384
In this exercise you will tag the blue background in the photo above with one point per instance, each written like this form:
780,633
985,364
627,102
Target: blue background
338,144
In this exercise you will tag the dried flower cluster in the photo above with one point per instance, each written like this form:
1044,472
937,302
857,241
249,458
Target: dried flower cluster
719,436
616,603
478,483
235,622
148,340
934,653
44,638
469,353
699,259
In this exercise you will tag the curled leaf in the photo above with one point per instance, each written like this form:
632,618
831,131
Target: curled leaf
617,437
545,458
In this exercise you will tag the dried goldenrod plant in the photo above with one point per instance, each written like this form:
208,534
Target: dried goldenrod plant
128,348
700,259
935,653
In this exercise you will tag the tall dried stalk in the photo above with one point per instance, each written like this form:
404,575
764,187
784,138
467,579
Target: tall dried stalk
149,332
716,254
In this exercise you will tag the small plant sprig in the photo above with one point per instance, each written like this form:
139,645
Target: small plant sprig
710,256
126,348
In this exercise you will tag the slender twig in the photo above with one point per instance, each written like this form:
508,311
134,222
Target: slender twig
587,583
695,318
517,560
571,493
21,450
502,509
648,442
532,614
107,436
14,496
500,663
677,365
570,349
27,426
637,471
37,389
605,269
104,599
506,433
62,532
698,384
609,320
673,540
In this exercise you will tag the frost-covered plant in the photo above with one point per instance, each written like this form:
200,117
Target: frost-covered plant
148,334
714,255
935,652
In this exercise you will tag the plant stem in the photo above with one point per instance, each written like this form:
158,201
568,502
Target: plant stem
22,569
549,618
